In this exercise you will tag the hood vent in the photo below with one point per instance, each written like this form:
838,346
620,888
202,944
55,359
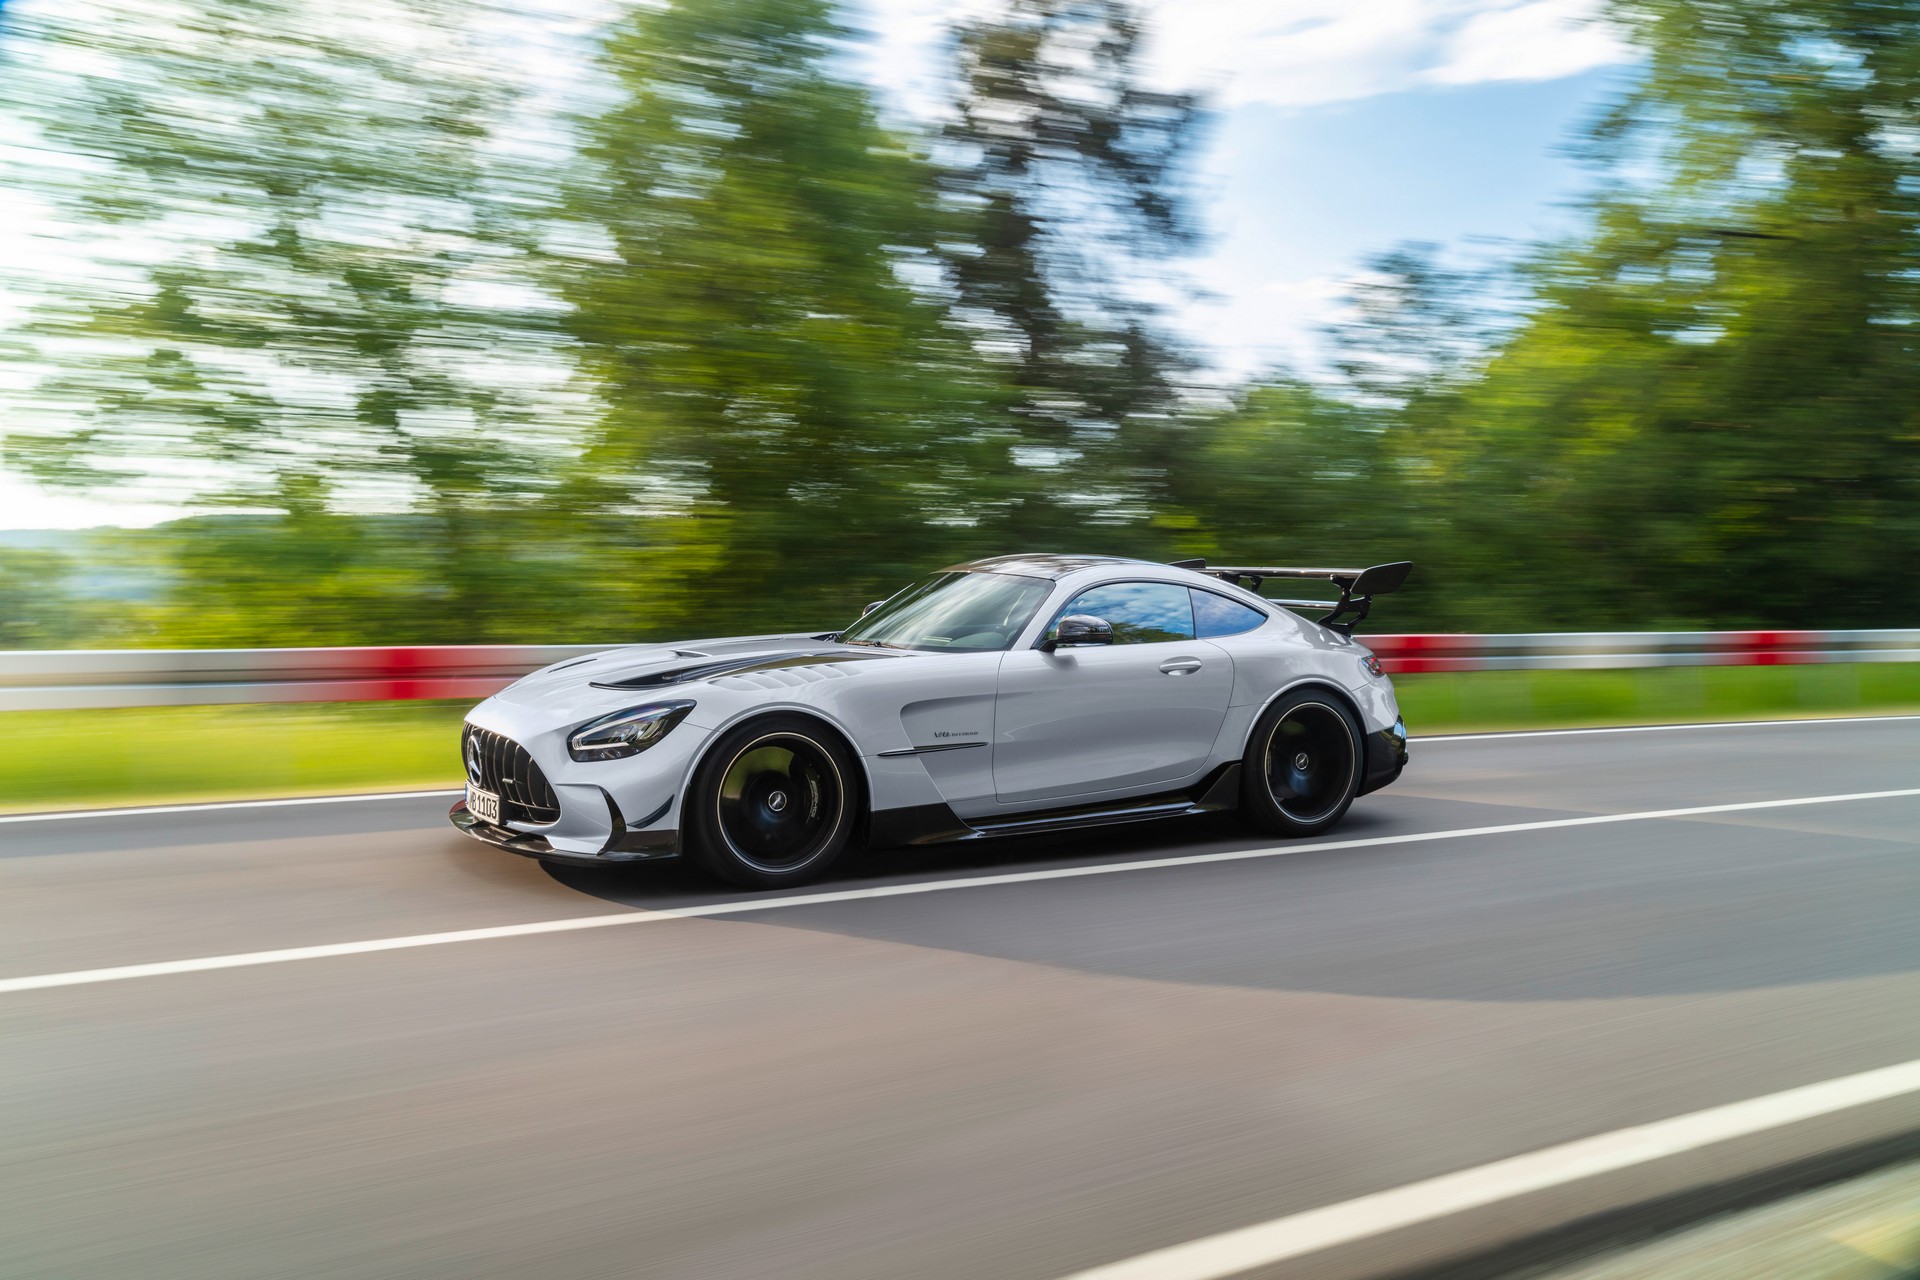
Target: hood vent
733,666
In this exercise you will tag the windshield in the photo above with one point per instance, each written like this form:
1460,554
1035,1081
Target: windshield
953,611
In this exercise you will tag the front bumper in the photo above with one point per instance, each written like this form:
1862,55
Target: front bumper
613,811
621,849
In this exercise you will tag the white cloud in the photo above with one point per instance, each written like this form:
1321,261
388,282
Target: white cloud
1541,40
1250,328
1296,52
1305,52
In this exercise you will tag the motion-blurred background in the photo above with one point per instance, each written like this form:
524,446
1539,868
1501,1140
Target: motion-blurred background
349,322
461,320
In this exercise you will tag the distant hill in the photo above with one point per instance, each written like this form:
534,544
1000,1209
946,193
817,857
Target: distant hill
133,565
107,563
65,541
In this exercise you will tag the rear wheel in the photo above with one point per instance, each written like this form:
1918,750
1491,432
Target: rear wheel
773,803
1302,767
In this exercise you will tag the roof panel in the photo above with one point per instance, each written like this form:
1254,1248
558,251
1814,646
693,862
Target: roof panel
1038,564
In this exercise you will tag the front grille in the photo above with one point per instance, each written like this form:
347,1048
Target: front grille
507,770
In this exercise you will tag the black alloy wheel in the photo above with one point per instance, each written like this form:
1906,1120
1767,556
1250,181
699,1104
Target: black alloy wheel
774,803
1303,764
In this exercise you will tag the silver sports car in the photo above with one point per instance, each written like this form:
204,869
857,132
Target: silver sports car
1008,696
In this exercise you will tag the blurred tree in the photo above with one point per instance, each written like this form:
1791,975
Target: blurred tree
1714,413
330,286
789,426
38,609
1064,178
304,280
1302,474
1415,340
1416,327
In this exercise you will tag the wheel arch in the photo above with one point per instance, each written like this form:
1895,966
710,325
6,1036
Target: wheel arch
1307,682
1257,798
863,782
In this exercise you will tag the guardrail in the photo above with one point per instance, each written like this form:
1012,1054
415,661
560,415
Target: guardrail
1594,650
53,679
57,679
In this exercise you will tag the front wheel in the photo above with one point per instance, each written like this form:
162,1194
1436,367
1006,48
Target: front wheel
1302,767
773,803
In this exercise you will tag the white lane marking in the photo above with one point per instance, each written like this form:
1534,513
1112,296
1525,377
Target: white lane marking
1280,1239
1653,728
84,977
211,806
66,814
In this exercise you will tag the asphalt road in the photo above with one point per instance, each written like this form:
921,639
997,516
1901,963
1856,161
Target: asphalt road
1016,1080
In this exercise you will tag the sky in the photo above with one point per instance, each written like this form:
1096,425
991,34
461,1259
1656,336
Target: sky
1340,129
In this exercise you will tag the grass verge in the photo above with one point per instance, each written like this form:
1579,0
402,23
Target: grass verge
1485,701
155,755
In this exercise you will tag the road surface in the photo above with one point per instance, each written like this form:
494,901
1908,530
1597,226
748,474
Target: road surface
1023,1077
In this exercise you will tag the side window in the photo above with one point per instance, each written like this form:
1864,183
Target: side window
1140,612
1218,616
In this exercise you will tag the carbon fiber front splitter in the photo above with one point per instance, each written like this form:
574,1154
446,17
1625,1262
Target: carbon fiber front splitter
649,846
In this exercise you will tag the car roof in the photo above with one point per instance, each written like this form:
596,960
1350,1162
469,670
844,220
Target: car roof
1056,567
1042,564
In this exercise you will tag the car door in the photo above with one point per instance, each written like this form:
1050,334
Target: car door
1138,715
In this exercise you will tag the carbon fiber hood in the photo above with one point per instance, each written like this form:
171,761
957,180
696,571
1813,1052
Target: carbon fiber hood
619,674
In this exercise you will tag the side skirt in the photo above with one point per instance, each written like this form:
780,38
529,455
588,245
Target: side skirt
938,824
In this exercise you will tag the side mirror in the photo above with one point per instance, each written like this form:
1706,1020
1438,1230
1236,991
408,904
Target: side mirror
1079,629
871,606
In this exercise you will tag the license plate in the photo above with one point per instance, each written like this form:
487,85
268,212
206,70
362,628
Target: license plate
484,805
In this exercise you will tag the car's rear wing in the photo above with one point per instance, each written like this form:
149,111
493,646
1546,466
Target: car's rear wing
1358,587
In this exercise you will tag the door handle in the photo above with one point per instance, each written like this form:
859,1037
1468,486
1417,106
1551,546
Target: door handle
1180,666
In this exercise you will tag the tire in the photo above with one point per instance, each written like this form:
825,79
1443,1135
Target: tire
1303,764
773,803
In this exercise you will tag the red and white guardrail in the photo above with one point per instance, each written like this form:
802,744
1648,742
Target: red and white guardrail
48,679
1593,650
78,678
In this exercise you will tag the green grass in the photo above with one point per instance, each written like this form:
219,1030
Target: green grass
145,755
1486,700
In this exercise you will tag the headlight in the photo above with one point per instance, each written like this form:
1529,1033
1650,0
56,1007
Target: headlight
625,733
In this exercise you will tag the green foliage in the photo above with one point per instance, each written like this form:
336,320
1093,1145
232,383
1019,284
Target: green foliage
1295,465
37,608
1713,412
325,578
723,351
788,427
298,226
1062,176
